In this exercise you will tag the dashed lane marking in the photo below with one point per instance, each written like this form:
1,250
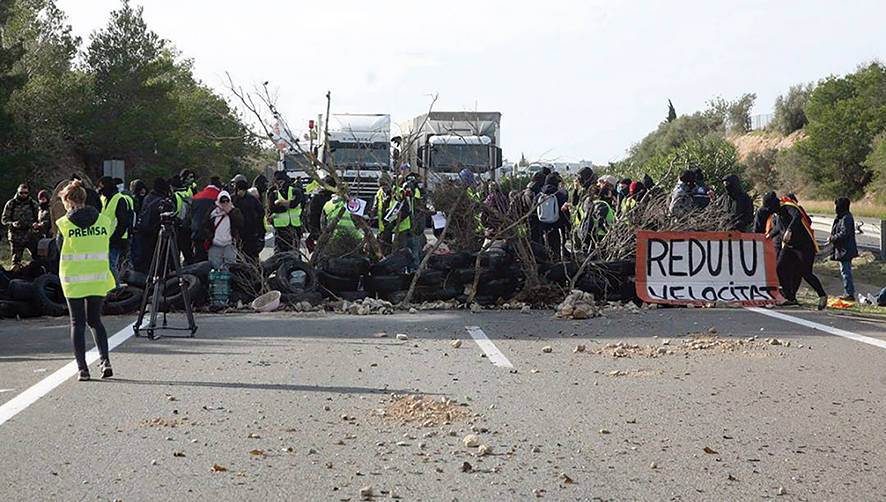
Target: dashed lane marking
30,396
821,327
492,353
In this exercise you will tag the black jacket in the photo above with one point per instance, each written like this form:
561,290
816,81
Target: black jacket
843,234
149,218
739,204
253,217
124,220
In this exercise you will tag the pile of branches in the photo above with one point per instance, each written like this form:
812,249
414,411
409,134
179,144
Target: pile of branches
449,196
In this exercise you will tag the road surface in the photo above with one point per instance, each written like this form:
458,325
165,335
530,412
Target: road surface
288,406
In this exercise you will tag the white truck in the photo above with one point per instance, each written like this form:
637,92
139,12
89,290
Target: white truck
440,144
360,149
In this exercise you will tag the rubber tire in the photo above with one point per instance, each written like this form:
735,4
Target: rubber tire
21,290
431,278
449,261
133,278
271,265
122,300
433,294
386,284
10,309
393,264
394,297
500,288
285,269
336,283
495,258
559,273
347,266
49,295
200,269
196,292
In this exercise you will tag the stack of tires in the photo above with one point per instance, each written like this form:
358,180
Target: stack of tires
294,279
607,281
501,277
43,297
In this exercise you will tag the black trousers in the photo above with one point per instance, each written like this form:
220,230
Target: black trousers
287,239
87,311
794,265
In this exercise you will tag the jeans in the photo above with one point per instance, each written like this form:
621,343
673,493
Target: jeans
846,273
115,256
222,256
87,311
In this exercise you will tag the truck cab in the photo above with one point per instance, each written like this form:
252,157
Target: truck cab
359,147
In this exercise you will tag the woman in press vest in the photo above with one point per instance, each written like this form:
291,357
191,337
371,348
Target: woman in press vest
85,273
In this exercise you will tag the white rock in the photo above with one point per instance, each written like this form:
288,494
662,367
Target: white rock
402,336
455,344
547,349
470,441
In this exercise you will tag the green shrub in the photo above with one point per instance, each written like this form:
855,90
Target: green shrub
790,108
876,163
760,169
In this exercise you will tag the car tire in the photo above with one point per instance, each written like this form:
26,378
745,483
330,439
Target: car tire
122,300
49,295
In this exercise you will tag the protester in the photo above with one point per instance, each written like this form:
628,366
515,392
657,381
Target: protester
139,191
115,207
553,222
252,235
381,203
495,207
20,214
621,192
148,226
602,212
681,202
738,204
701,194
224,225
636,192
43,227
202,203
337,216
183,193
530,197
845,248
766,221
285,213
798,254
319,197
85,274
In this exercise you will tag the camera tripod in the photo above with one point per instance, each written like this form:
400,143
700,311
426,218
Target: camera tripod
165,254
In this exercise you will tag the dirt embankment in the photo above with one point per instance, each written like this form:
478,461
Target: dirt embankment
760,141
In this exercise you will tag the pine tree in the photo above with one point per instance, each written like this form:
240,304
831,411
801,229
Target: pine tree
672,113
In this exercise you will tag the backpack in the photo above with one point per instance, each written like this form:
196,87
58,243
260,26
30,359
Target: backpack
548,211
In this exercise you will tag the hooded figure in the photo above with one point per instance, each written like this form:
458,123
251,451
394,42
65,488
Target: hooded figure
20,215
681,202
554,233
845,247
766,221
252,235
797,253
738,203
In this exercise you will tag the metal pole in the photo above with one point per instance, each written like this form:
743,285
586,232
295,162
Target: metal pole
883,239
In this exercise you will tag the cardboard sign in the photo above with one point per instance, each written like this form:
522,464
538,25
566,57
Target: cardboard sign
683,268
356,206
439,220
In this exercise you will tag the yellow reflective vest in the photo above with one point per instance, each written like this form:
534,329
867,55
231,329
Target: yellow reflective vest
83,267
345,224
290,217
109,209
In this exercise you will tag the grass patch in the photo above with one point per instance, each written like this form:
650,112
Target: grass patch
862,209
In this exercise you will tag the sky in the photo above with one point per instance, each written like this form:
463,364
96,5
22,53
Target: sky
573,80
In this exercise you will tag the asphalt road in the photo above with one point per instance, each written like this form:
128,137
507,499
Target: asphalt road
265,397
869,237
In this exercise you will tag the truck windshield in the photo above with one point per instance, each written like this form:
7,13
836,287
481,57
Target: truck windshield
453,158
365,156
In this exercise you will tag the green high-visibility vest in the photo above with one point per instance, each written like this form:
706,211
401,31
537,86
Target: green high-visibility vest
610,216
345,224
380,208
109,208
406,223
83,267
290,217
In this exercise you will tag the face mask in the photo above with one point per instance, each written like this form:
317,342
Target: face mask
120,187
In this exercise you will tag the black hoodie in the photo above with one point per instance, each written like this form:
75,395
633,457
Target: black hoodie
739,204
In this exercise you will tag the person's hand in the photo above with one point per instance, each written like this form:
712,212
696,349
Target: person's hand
17,224
281,203
35,226
787,236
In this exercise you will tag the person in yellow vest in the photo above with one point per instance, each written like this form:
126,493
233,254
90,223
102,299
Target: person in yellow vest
335,212
380,206
85,273
285,213
118,208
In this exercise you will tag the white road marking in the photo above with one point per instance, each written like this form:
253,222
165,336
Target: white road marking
6,390
30,396
821,327
492,353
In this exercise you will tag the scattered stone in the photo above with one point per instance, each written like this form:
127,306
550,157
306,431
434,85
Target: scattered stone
539,493
154,462
423,411
579,348
455,344
547,349
366,493
484,450
566,479
653,465
475,308
536,449
712,330
781,491
773,341
694,343
402,336
366,306
470,441
413,310
178,454
466,467
604,431
525,309
578,305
